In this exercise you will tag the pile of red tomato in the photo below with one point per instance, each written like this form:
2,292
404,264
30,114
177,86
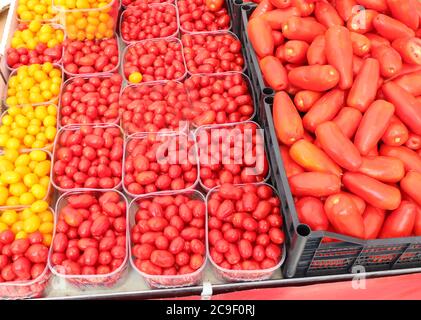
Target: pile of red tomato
169,234
90,234
245,227
90,56
347,111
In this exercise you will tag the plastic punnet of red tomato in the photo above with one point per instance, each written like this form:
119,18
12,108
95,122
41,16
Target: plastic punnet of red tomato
91,56
244,231
25,239
351,134
154,107
220,99
88,156
154,60
201,16
212,52
149,21
35,43
90,100
90,241
233,153
168,243
156,162
135,3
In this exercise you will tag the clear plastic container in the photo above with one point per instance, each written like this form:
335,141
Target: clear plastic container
171,39
56,145
25,289
215,33
49,147
243,275
115,69
50,190
55,26
163,281
228,126
92,23
222,76
152,5
165,136
184,31
184,124
63,89
34,288
98,280
53,100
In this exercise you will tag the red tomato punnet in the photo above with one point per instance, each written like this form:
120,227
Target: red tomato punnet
90,56
231,154
251,235
160,162
145,21
154,60
219,99
168,238
94,240
155,107
212,52
196,16
88,156
90,100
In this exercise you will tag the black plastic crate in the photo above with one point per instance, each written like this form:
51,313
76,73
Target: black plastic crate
262,90
234,7
308,254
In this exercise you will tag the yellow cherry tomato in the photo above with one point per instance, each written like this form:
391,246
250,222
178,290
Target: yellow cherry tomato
17,226
25,214
39,206
13,143
43,168
45,181
31,224
9,217
50,133
22,170
23,160
17,189
26,198
46,216
135,77
38,155
11,155
21,121
38,191
50,121
12,201
28,140
34,26
9,177
30,179
5,165
52,110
